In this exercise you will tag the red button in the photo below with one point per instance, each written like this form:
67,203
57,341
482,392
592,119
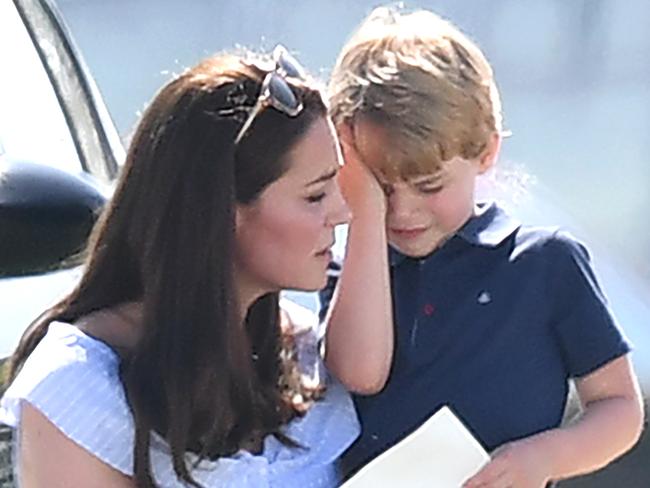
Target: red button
428,309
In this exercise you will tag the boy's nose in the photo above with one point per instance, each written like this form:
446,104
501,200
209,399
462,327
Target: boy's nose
400,205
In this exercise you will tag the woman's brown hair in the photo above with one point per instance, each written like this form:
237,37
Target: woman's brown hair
166,239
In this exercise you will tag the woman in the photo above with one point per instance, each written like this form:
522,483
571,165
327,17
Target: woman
169,364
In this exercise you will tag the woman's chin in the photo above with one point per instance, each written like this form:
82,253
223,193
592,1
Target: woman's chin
312,285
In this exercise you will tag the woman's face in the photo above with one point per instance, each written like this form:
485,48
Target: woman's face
284,237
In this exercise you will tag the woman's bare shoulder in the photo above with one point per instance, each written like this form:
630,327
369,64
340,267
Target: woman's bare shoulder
72,467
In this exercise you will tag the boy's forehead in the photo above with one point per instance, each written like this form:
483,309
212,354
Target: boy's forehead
382,151
420,178
435,177
369,135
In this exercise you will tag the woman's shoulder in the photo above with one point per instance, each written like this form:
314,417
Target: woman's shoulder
73,380
324,433
330,425
66,356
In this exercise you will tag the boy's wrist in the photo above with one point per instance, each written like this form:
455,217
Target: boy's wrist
552,447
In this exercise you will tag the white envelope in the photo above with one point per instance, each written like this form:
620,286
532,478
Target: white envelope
441,453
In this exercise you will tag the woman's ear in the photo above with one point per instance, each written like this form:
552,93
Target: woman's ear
490,154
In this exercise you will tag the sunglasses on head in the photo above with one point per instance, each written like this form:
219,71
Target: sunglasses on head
276,92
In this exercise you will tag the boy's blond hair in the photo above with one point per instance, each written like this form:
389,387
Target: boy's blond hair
422,80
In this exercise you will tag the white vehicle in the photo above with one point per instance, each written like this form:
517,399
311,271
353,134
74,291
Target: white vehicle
59,151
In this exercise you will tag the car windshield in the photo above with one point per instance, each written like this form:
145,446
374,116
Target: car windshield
29,108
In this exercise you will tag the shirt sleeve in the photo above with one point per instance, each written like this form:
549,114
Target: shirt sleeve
588,334
84,401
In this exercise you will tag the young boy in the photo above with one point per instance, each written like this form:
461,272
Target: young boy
444,300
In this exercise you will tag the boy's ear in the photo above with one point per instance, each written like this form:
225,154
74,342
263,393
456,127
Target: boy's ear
490,154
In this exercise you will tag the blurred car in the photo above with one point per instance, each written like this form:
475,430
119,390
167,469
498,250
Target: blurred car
59,151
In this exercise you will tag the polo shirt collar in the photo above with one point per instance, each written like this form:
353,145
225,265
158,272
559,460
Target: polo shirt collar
488,227
394,256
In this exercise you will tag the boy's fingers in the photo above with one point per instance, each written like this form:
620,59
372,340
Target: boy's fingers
346,138
349,152
492,474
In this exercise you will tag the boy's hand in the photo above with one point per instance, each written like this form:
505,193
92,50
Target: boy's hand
518,464
360,188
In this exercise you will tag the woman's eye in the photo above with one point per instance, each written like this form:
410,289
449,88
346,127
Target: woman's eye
316,198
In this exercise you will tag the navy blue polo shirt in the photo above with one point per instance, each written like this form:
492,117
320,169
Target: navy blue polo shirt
493,324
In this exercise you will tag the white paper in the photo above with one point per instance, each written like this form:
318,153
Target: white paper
441,453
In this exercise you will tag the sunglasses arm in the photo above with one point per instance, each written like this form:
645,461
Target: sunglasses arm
251,116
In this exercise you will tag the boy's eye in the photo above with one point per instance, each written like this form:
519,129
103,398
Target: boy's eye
430,189
316,198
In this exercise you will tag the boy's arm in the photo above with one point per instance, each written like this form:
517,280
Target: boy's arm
588,338
359,341
609,426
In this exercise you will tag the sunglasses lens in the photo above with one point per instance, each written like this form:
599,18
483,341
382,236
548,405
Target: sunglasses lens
276,91
287,63
281,94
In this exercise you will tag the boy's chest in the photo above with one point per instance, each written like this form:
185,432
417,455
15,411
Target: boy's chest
464,309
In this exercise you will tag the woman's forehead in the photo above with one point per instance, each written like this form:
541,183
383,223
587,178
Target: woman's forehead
313,157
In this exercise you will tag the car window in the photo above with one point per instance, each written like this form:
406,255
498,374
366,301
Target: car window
32,124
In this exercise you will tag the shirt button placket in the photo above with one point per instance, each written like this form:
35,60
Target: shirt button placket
425,309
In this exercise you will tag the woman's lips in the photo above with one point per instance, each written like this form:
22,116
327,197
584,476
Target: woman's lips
325,256
325,252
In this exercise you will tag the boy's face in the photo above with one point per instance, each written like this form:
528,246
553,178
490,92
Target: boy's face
423,211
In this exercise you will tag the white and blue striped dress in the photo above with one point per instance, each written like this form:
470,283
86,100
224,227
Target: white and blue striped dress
73,380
